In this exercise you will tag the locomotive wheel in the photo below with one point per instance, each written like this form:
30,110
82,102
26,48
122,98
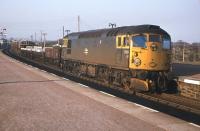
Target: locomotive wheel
161,83
152,86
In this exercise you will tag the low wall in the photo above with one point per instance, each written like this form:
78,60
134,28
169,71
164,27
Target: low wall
189,88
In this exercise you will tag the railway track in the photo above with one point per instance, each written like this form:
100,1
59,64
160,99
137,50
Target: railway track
172,100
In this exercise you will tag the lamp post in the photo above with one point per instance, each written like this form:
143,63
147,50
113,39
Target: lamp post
184,52
44,44
2,33
3,37
112,25
67,31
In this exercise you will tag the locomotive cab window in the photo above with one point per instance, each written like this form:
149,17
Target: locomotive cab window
122,42
119,41
139,41
125,41
154,38
166,42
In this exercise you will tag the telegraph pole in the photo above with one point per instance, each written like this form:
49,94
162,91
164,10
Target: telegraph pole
44,34
78,23
184,52
63,31
41,36
35,36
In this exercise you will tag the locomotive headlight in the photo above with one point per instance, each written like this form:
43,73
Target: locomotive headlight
137,61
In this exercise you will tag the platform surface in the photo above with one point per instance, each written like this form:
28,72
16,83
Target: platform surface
31,99
193,79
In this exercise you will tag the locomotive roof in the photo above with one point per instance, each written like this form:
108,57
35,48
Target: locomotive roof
119,31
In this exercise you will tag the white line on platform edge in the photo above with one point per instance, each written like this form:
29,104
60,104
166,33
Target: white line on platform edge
53,74
65,79
36,68
82,85
144,107
107,94
192,81
43,71
194,125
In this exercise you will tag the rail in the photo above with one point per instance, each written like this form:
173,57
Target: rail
175,101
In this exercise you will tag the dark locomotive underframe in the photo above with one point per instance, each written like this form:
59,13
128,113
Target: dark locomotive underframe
111,76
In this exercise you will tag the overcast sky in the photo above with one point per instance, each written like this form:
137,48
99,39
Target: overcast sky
22,18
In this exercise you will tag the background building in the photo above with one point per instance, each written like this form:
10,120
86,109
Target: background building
186,52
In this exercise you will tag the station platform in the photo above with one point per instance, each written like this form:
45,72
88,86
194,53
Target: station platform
33,99
193,79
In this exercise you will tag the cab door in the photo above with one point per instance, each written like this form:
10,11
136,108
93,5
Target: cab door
123,50
66,48
138,52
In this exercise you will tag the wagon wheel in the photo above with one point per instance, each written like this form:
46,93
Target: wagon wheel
152,87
